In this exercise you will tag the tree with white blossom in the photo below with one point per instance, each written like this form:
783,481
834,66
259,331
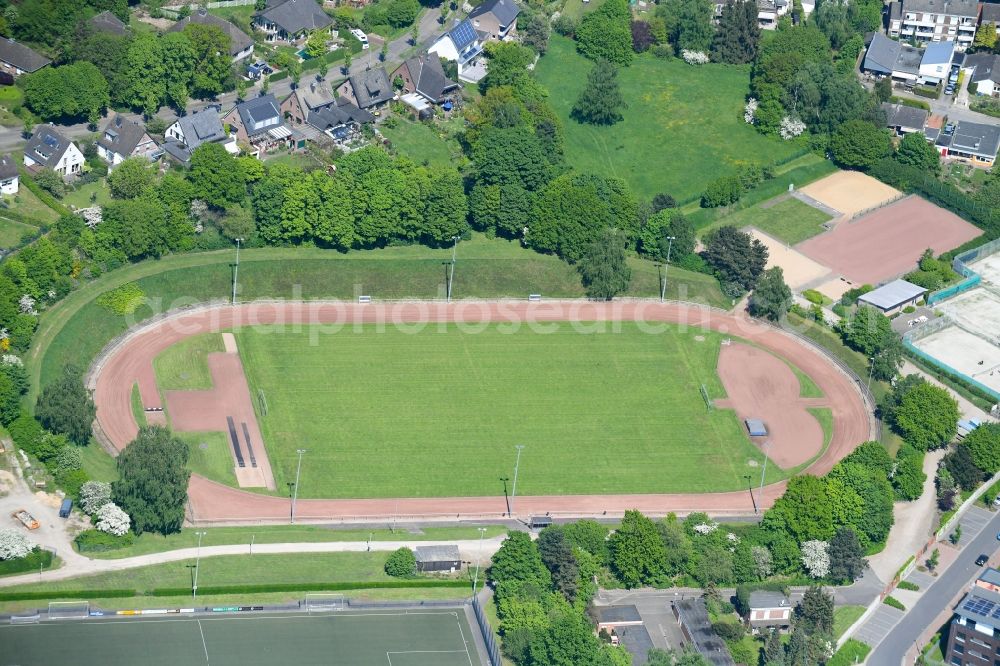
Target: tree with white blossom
94,495
11,359
763,564
694,57
816,558
113,520
706,528
750,111
791,128
27,305
13,544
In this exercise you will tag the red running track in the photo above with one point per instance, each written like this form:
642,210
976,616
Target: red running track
132,361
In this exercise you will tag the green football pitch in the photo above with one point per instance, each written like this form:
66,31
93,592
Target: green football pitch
437,410
414,638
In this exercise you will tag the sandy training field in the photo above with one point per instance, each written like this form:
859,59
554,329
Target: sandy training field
850,192
800,272
888,242
212,502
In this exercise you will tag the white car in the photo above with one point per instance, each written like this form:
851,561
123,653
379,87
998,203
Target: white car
361,37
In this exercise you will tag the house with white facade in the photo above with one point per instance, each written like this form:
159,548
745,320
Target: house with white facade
47,148
240,44
290,20
17,59
123,138
927,21
9,177
461,44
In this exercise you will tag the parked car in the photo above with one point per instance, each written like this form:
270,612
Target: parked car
949,90
361,37
982,559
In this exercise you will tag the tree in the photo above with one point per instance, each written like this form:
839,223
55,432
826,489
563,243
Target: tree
178,68
518,561
13,544
771,298
143,80
738,34
216,176
568,641
153,480
589,535
65,406
934,559
847,559
815,611
601,102
94,495
606,33
76,91
815,558
859,144
508,64
212,69
557,555
915,151
722,191
533,28
872,455
638,555
133,177
983,444
114,521
959,463
986,36
316,43
927,417
736,256
689,24
908,479
774,651
867,330
642,36
947,490
604,267
401,563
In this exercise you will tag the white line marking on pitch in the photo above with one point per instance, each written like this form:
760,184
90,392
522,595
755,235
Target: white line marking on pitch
203,644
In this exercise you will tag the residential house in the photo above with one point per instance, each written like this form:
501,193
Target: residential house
768,12
194,129
769,610
462,44
290,20
887,57
302,100
424,75
10,179
240,44
989,12
904,119
257,122
17,59
935,63
974,143
109,23
497,18
974,634
47,148
695,625
123,138
315,108
626,628
369,89
935,21
984,70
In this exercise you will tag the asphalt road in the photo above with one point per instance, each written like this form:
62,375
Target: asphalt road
938,596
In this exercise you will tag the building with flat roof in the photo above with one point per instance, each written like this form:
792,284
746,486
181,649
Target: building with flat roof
893,296
927,21
989,580
974,633
769,610
692,617
438,558
973,143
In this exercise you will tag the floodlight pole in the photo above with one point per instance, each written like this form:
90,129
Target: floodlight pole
479,557
659,275
506,497
197,565
291,504
871,371
666,267
451,277
750,488
236,268
764,470
298,471
517,463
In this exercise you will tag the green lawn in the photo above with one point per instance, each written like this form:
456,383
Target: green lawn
11,232
26,203
683,126
98,464
422,143
381,411
138,413
184,366
219,536
788,220
209,455
80,197
844,617
76,329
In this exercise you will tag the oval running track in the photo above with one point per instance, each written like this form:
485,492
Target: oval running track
114,374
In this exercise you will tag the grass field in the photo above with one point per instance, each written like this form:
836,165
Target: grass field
381,411
788,220
209,455
76,329
11,232
422,144
184,366
844,617
80,197
26,203
683,126
441,637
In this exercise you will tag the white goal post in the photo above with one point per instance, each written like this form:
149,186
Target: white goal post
324,602
68,610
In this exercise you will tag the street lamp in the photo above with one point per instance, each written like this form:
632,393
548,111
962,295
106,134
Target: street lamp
236,268
513,490
750,488
451,278
291,502
197,564
666,267
764,470
298,470
506,498
479,557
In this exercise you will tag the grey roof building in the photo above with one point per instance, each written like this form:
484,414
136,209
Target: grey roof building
47,147
8,167
259,114
966,8
904,119
505,10
974,141
123,138
293,17
336,114
426,76
240,44
194,129
893,295
612,615
108,22
974,634
989,13
20,58
637,641
697,628
371,88
438,558
891,58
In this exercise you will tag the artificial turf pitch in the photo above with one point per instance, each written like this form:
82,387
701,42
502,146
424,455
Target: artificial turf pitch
436,410
383,638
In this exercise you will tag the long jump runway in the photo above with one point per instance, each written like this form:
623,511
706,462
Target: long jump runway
131,361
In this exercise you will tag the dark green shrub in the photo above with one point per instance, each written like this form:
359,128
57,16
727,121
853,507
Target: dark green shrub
401,563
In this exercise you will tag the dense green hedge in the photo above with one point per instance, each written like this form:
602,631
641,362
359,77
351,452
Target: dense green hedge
915,103
42,195
40,595
29,562
307,587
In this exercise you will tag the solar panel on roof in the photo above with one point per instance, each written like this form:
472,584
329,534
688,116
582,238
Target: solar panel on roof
979,606
463,34
51,140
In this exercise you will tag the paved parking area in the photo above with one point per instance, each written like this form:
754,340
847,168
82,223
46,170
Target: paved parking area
972,523
920,579
878,625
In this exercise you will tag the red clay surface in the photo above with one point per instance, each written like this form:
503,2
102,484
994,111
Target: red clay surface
761,386
888,242
198,411
214,502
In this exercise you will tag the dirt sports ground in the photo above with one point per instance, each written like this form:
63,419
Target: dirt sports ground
753,381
